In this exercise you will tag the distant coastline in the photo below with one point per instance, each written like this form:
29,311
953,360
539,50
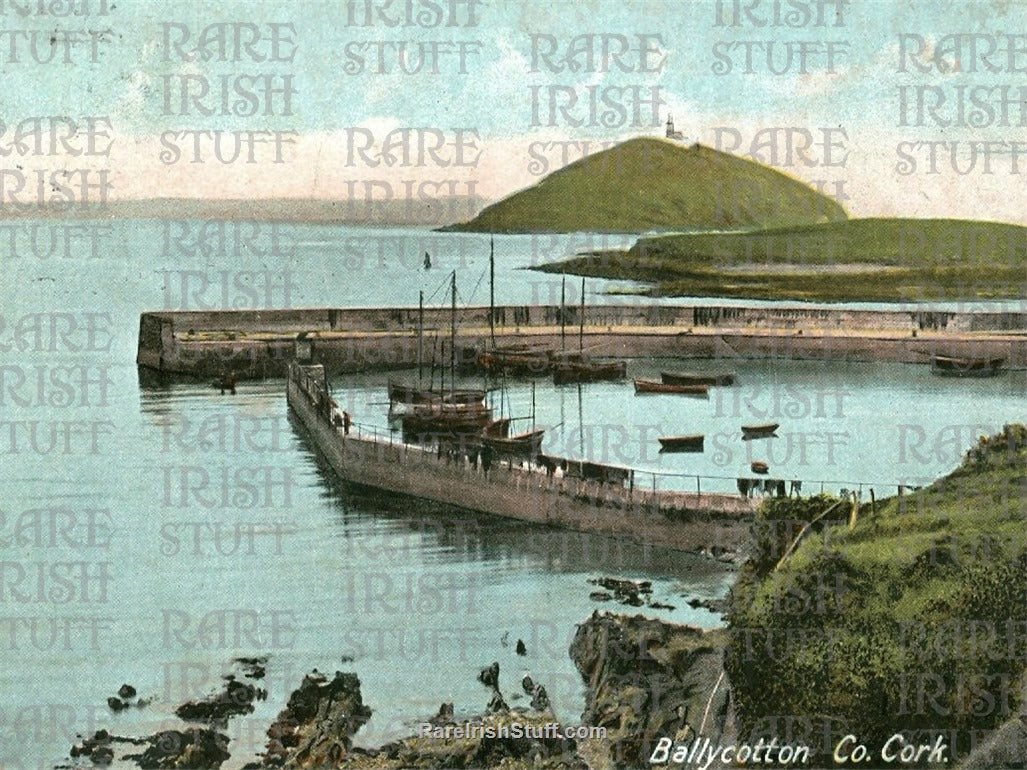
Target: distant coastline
395,213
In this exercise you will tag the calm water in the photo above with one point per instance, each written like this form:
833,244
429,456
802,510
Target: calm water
218,533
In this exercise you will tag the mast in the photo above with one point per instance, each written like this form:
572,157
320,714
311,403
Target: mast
563,317
581,328
492,290
420,337
452,335
533,405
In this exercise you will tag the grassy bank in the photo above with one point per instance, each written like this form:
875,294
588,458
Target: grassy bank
863,259
914,619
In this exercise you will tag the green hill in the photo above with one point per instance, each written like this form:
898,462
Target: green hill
653,184
859,259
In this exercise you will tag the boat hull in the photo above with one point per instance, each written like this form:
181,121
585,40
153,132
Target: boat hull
953,366
650,386
567,373
688,378
759,431
682,443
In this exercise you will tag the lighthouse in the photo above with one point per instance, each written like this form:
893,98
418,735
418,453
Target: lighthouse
671,133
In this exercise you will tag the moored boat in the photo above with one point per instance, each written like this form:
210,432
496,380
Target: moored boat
692,378
589,371
961,366
517,360
402,393
651,386
526,445
759,431
682,443
443,418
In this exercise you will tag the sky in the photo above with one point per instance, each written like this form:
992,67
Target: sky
891,106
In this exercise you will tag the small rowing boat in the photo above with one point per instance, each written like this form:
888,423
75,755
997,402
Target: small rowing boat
589,371
956,366
682,443
651,386
694,378
759,431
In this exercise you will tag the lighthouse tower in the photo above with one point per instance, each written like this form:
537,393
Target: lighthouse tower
671,133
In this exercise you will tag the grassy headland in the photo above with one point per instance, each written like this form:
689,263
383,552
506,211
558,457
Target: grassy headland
647,184
861,259
914,619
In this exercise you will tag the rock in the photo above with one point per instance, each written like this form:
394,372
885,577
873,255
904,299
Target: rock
520,649
496,704
600,596
126,692
713,605
548,753
490,676
643,678
316,726
253,668
236,698
527,685
661,606
540,699
196,747
445,715
116,704
624,591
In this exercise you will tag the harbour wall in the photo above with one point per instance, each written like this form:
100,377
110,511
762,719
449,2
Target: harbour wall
683,521
264,342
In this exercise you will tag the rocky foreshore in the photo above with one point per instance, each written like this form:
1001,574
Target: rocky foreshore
645,679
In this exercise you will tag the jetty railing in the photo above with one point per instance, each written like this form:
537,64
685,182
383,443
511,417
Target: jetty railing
664,492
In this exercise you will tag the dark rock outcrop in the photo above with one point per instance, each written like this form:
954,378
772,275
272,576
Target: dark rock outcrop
647,679
488,746
195,748
317,725
236,698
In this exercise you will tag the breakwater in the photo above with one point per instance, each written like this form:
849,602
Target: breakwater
263,342
615,507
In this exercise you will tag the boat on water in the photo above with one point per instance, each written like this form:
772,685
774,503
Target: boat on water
516,360
589,371
759,431
577,367
526,445
695,378
961,366
446,418
401,393
758,466
651,386
682,443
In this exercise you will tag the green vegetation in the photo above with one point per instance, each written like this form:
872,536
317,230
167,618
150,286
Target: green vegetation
652,184
913,620
861,259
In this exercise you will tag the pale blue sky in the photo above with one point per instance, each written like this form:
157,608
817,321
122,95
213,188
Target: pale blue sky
494,95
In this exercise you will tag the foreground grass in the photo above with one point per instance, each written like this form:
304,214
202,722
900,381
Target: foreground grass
863,259
914,620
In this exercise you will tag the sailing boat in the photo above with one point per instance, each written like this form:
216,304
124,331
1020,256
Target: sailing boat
515,358
403,393
448,416
577,368
496,435
527,445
